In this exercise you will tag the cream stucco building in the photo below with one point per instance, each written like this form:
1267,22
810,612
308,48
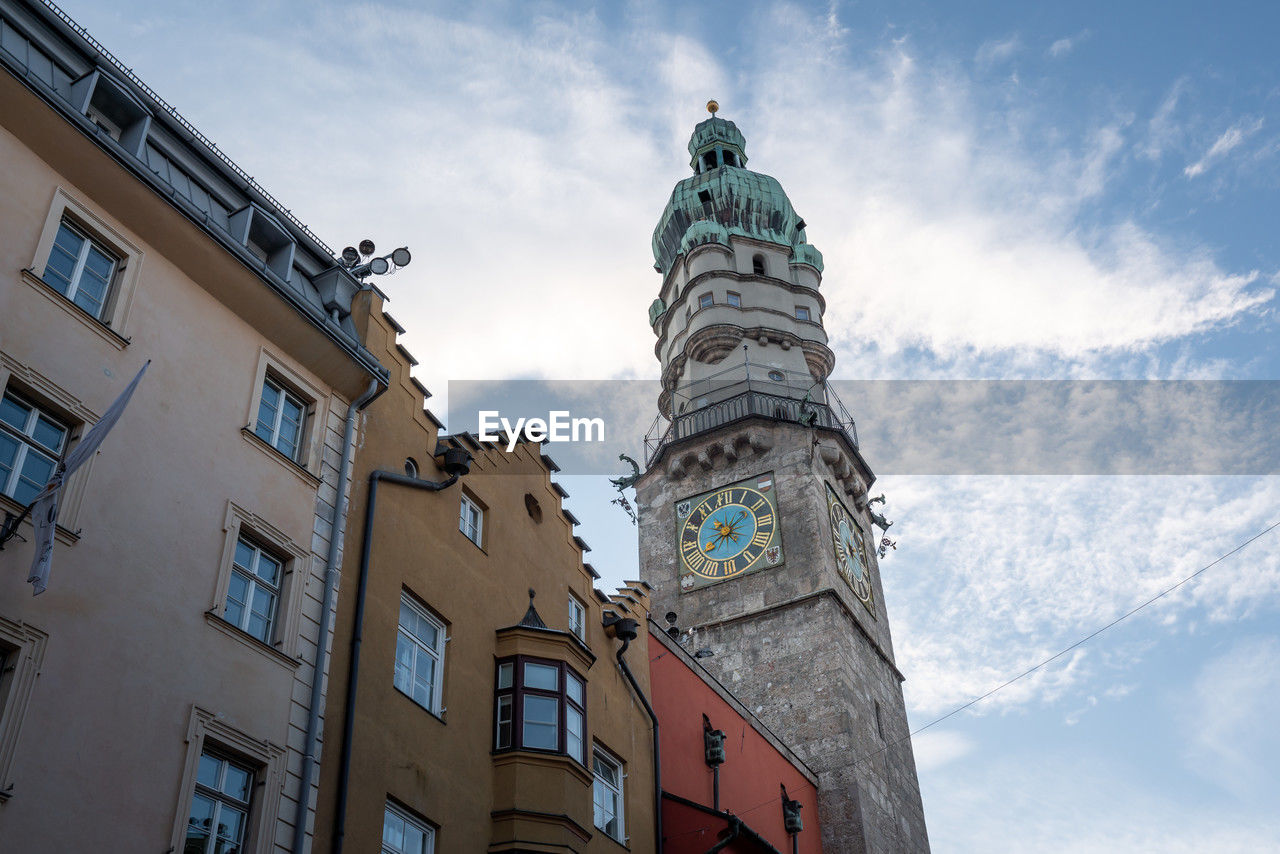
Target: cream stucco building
161,691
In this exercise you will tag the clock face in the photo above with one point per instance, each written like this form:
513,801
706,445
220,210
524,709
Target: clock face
723,533
851,551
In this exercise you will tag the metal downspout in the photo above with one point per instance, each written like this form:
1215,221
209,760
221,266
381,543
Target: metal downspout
337,529
735,828
357,634
657,754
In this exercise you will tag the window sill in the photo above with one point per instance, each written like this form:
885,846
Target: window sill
60,534
299,470
439,716
473,542
214,619
102,330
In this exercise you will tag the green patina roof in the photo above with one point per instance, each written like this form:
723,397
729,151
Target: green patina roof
709,206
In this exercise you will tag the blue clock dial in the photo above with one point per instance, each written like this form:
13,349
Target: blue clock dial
851,551
728,532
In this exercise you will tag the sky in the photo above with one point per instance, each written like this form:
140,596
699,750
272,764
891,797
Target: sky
1000,190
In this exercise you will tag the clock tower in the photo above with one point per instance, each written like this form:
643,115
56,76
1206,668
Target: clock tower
754,520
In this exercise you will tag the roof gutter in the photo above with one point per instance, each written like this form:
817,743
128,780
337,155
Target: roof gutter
337,529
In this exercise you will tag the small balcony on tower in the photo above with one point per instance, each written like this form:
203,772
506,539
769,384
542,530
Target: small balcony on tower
747,390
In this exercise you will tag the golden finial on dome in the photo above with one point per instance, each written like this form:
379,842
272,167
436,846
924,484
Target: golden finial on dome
713,106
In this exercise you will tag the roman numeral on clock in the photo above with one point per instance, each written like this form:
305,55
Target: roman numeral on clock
761,538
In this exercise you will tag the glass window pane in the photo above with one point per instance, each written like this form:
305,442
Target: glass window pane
268,569
540,723
207,772
393,830
504,675
14,413
541,676
49,433
574,689
237,782
8,453
244,555
573,733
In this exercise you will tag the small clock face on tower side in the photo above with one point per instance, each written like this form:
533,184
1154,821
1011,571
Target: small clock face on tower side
726,532
851,551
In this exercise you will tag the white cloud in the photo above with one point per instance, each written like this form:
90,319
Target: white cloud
938,747
1064,46
1162,131
1085,801
1230,725
996,51
994,574
1223,145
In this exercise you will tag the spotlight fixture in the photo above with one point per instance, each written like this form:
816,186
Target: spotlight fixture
375,266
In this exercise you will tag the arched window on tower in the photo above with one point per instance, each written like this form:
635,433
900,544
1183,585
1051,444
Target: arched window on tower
757,264
708,161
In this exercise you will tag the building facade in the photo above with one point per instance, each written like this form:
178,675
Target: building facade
727,779
158,696
476,717
755,523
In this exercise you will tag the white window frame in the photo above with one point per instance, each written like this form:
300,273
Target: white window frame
435,703
577,618
274,429
733,298
706,300
808,315
241,524
21,654
465,523
107,236
393,811
319,409
28,444
209,731
602,756
79,268
255,582
223,800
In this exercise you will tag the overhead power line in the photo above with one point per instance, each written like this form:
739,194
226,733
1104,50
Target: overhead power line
1126,615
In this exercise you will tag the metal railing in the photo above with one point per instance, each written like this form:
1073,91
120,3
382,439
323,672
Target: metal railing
186,125
725,400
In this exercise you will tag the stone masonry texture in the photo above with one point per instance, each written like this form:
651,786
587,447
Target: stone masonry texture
792,642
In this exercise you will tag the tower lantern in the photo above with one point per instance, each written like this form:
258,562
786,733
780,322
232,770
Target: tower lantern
754,522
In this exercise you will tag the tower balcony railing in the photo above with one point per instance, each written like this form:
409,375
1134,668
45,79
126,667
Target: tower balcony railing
745,391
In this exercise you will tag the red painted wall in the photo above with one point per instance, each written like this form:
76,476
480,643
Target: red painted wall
749,777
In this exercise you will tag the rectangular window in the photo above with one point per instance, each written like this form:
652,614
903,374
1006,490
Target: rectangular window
31,443
577,618
253,594
404,834
706,300
734,299
420,655
80,269
281,414
802,313
607,794
219,811
471,520
540,705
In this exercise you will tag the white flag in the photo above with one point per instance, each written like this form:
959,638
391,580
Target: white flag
44,511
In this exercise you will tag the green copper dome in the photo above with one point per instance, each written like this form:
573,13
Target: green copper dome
723,198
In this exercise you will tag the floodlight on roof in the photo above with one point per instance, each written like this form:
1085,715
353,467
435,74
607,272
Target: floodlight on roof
373,266
350,256
366,247
378,266
401,257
